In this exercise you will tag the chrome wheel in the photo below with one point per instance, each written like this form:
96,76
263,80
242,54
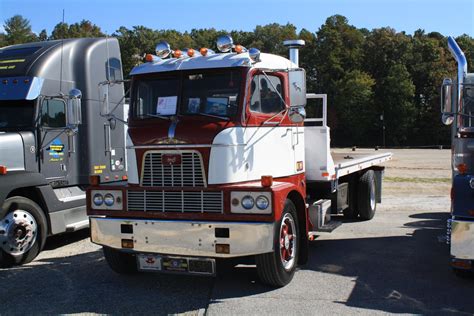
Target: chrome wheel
18,231
288,241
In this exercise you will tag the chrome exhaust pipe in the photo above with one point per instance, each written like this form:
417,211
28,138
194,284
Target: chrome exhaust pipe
294,46
462,68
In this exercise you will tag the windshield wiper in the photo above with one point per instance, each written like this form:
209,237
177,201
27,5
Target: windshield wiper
214,116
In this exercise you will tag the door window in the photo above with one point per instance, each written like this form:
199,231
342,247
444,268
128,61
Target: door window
264,97
53,113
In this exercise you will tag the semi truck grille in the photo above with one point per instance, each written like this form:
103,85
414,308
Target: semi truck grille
184,170
177,201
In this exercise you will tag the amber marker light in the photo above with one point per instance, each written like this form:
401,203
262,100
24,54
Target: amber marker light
191,52
223,248
239,49
267,181
127,243
462,167
149,58
3,170
94,180
177,53
203,51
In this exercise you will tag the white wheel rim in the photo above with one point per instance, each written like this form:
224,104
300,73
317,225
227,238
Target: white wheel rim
288,242
18,231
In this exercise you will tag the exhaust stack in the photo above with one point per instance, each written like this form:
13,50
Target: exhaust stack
462,67
294,46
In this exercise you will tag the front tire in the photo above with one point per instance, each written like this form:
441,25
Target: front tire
120,262
366,196
277,268
23,231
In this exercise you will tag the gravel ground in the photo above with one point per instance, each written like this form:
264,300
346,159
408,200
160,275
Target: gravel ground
396,263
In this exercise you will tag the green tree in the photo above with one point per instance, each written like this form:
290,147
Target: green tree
43,35
18,30
84,28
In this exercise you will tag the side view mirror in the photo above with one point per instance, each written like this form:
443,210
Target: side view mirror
297,87
297,114
447,102
74,113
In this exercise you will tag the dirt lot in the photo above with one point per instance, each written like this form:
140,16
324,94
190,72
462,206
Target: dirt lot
396,263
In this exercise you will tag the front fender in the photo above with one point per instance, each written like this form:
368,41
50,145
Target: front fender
17,180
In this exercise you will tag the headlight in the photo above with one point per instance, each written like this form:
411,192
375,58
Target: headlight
106,200
248,202
261,201
109,199
98,199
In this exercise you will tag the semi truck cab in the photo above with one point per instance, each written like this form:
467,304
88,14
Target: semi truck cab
49,122
220,166
457,107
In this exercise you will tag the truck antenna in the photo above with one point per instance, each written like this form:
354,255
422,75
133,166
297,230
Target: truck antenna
61,62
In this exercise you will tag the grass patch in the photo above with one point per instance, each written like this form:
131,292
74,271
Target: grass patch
417,180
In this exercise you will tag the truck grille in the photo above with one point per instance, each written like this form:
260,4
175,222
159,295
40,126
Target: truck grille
176,201
189,173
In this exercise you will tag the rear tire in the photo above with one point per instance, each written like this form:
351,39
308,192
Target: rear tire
120,262
277,268
24,228
366,196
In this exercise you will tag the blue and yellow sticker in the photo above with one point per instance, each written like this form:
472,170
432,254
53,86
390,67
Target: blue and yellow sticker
56,151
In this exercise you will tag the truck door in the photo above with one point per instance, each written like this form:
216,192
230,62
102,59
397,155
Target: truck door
53,141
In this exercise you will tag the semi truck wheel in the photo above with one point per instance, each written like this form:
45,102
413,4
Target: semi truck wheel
277,268
23,231
366,195
120,262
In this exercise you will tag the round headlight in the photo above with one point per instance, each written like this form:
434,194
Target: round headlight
247,202
109,199
262,202
98,199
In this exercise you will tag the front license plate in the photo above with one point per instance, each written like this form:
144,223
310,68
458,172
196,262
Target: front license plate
149,262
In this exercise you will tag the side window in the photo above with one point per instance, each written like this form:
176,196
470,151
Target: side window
53,113
264,96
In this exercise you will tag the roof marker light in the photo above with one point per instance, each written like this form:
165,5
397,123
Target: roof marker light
177,54
239,49
203,51
151,58
190,52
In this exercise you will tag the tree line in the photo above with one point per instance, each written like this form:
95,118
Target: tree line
377,80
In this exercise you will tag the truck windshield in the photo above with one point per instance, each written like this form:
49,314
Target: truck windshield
16,114
199,93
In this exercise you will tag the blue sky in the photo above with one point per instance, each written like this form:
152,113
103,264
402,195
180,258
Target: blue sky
449,17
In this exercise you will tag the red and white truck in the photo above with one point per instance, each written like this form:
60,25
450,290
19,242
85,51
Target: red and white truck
223,163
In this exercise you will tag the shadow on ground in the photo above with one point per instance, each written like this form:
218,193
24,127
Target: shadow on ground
402,274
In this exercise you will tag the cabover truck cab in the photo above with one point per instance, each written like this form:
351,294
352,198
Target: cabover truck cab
222,165
457,107
52,138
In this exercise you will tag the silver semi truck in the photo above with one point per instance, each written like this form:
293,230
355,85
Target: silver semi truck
52,138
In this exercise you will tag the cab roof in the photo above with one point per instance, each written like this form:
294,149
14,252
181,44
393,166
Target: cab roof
220,60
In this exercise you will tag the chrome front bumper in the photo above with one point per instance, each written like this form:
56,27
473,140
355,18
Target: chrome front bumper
184,238
462,239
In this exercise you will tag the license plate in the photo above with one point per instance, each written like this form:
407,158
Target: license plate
149,262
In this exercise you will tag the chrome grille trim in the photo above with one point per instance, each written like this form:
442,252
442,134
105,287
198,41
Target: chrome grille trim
176,201
190,173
